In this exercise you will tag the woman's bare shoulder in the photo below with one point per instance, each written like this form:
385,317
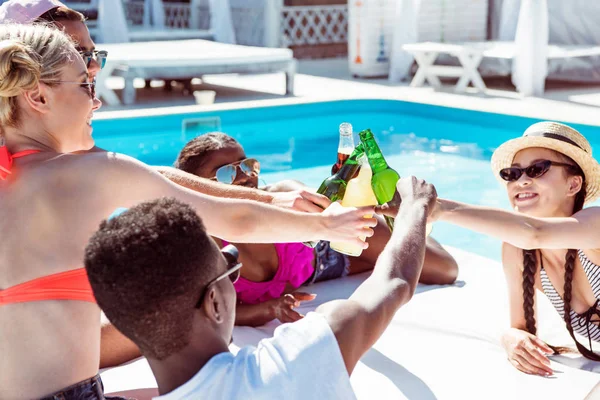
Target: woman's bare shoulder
512,257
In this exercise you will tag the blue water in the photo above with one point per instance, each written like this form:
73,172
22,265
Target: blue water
448,147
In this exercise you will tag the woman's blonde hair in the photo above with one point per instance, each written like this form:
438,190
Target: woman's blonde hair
29,54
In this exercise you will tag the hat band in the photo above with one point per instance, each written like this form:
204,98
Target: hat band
556,137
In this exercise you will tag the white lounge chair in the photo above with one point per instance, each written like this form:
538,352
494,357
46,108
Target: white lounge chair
189,58
470,55
444,344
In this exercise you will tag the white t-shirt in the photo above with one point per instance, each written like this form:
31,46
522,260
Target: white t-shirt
301,361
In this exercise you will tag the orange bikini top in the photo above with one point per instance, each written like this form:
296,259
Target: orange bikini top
69,285
6,160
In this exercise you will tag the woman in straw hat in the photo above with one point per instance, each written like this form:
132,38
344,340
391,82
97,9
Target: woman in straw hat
550,242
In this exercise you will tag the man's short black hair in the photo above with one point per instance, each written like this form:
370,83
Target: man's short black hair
61,14
147,268
194,154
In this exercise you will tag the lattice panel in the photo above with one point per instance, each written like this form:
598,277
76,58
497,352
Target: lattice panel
314,25
134,12
177,15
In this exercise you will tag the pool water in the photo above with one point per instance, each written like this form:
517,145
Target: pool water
448,147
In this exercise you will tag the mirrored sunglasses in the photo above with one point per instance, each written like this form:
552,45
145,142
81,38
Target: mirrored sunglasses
227,173
98,55
533,171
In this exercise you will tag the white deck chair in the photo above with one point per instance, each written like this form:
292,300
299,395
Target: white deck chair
181,59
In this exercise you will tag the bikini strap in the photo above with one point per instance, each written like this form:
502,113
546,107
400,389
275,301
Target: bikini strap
6,160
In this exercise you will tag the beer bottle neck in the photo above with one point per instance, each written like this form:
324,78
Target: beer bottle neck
351,165
346,143
374,154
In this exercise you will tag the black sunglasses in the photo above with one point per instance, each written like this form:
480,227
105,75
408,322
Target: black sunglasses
90,86
533,171
231,254
227,173
98,55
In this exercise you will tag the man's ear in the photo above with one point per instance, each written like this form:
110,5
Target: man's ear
38,98
212,306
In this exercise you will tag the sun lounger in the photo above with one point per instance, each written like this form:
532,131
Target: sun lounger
444,344
470,55
187,59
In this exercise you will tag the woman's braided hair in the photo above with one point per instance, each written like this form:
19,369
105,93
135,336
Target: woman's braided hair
529,269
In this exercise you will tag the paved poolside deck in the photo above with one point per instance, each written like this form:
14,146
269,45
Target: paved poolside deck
330,79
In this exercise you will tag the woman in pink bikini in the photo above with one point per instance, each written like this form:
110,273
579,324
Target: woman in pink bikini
272,272
53,195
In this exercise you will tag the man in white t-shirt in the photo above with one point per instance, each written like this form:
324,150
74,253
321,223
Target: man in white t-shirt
164,283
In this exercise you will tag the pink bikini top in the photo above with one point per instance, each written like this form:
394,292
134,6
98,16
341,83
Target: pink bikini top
295,267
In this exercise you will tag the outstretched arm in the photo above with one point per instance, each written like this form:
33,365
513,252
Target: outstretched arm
123,182
296,198
359,321
581,231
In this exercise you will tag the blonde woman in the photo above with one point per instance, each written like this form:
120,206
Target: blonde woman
52,200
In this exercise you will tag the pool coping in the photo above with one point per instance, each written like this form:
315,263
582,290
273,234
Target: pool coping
531,107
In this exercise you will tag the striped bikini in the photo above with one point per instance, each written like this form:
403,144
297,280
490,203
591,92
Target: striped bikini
580,322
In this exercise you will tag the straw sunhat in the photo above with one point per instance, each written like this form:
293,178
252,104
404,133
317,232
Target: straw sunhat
558,137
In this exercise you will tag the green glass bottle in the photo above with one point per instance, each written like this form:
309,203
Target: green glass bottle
384,178
334,187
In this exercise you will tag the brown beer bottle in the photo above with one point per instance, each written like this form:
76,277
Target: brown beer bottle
345,146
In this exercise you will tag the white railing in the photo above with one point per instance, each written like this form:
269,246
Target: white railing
177,15
310,25
259,22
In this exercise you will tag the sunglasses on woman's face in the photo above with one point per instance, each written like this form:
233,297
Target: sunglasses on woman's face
90,86
533,171
227,173
98,55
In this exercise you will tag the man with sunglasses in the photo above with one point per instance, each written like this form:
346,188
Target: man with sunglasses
64,18
161,280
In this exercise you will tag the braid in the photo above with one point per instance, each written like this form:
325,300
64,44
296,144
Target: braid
529,268
569,268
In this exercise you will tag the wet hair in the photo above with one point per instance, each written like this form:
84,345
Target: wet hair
59,14
196,152
29,54
147,268
529,270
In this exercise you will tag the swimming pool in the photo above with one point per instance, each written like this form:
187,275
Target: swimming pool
446,146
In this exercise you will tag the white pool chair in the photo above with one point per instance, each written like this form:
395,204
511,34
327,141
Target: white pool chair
470,55
182,59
